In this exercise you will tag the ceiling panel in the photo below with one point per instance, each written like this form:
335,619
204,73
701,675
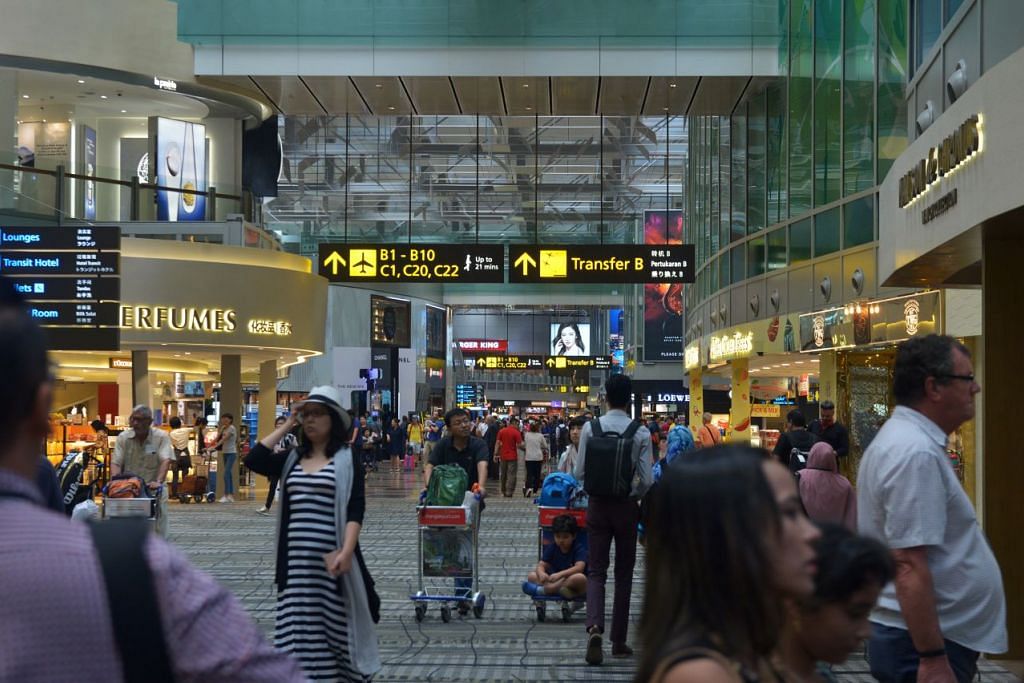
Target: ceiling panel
432,94
384,94
527,96
289,94
336,94
574,95
718,95
622,94
479,94
670,94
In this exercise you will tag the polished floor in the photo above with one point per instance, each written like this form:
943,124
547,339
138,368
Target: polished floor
236,545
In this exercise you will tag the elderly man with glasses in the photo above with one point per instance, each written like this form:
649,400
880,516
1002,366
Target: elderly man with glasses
145,452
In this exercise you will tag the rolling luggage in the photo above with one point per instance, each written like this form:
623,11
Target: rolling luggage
193,488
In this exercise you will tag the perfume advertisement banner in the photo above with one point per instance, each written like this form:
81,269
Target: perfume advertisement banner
180,159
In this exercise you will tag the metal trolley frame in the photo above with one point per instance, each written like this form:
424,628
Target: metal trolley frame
545,517
145,507
446,529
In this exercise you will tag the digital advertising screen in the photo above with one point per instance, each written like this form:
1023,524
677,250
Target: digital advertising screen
663,303
180,161
570,338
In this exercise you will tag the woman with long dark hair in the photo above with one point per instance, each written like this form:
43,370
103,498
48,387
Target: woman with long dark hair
326,605
568,341
727,543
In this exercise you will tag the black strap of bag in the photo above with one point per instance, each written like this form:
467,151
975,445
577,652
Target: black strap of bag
131,596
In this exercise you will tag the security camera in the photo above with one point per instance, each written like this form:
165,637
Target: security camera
925,118
956,84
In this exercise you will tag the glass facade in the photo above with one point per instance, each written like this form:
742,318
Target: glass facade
805,152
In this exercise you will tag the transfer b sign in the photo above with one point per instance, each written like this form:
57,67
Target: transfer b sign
601,263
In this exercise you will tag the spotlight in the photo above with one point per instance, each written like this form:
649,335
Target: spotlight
956,84
825,286
925,118
857,280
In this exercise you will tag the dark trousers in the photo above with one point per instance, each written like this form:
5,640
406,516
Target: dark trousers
270,493
607,519
533,474
894,659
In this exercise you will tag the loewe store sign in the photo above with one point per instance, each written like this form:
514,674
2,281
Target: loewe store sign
942,160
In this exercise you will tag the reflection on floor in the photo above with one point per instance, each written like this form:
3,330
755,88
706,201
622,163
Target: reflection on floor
236,545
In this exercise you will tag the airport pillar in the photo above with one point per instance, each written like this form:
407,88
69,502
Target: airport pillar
696,400
828,389
1001,467
230,402
142,391
739,414
268,398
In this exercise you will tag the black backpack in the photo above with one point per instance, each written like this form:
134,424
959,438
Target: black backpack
801,450
609,466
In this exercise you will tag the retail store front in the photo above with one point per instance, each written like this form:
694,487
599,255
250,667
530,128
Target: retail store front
204,329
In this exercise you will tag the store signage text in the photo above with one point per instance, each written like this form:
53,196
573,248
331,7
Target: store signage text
737,346
691,357
765,410
278,328
165,84
178,319
483,345
941,160
671,398
941,206
121,363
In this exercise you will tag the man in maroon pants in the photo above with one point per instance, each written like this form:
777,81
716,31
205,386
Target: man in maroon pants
612,517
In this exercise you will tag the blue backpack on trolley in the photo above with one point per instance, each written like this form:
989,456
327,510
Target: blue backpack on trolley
559,490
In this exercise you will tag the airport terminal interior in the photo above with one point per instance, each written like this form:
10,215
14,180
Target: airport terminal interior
744,206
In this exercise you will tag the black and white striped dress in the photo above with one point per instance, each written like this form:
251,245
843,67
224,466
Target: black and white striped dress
312,622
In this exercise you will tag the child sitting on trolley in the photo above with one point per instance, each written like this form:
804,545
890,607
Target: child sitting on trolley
562,569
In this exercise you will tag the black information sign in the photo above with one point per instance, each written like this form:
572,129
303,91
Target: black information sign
601,264
16,263
509,362
566,365
70,277
68,288
448,263
467,395
49,313
86,237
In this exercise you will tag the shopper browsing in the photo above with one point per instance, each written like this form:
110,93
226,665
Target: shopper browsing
227,443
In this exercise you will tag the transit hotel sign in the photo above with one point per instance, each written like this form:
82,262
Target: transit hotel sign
602,263
447,263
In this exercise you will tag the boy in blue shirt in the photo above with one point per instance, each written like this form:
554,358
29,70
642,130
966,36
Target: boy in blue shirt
563,567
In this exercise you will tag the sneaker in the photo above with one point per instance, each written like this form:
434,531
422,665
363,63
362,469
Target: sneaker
222,499
265,511
532,589
594,655
620,650
231,499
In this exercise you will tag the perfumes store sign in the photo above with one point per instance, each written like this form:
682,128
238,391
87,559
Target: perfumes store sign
189,319
942,160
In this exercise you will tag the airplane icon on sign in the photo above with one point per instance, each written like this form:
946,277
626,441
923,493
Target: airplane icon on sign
363,263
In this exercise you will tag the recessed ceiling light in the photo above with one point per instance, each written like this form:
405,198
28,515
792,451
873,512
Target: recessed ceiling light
124,111
666,108
529,109
526,85
103,97
671,85
391,108
24,97
80,81
378,85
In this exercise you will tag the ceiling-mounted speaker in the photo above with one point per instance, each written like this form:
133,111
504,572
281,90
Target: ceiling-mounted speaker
857,280
826,288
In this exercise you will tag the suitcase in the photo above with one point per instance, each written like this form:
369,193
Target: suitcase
410,462
193,487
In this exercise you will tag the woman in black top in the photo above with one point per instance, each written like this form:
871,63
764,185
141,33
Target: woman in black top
727,544
396,444
326,605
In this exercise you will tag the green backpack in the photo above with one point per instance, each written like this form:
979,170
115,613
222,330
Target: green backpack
447,485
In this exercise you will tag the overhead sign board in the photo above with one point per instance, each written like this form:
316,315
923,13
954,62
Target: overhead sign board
564,365
602,263
70,277
447,263
483,345
490,362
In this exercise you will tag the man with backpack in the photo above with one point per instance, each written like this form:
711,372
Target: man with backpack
794,445
614,465
59,620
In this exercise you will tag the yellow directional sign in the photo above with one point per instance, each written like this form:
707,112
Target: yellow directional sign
333,261
554,263
602,264
362,263
525,261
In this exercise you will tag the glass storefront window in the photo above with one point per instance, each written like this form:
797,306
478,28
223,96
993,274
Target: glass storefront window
755,257
800,241
725,175
951,7
756,164
828,37
776,133
826,232
892,77
777,249
801,66
859,222
858,96
927,27
723,271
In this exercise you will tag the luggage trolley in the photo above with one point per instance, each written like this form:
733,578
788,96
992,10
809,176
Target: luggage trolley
448,547
545,518
145,507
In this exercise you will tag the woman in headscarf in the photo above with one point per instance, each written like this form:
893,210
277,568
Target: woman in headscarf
827,495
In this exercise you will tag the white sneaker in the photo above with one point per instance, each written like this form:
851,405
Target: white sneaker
231,499
263,511
222,499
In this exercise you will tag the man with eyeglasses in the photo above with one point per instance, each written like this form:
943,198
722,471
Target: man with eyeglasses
946,604
146,452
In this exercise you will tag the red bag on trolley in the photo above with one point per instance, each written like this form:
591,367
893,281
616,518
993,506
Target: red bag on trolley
126,485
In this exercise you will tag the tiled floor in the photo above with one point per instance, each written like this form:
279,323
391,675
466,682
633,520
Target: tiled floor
236,545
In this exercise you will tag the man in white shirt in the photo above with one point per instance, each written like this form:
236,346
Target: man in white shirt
947,603
146,452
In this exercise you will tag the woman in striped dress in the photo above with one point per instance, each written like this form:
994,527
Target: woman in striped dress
326,605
